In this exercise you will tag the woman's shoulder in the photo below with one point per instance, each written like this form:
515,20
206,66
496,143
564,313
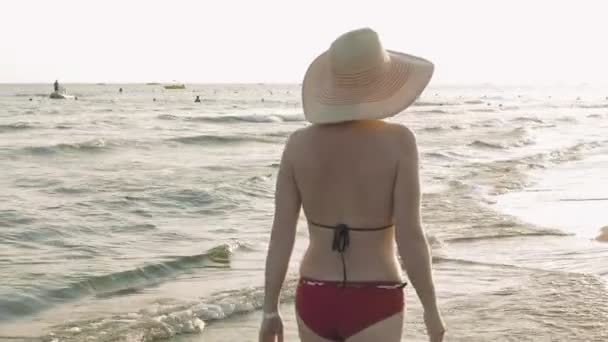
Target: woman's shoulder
402,133
399,131
301,135
297,135
295,139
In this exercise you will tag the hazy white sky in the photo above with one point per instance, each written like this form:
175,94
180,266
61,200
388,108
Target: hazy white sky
470,41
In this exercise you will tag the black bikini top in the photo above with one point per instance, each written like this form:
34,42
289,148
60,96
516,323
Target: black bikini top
341,240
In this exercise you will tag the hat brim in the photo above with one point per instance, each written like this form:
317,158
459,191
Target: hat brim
326,100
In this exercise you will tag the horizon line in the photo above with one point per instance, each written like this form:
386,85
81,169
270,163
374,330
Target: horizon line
438,84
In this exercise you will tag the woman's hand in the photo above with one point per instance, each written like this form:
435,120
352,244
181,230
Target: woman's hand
272,328
435,326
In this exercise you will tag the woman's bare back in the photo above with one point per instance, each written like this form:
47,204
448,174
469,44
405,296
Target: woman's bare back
345,173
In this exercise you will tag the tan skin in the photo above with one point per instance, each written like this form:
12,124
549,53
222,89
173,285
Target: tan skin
364,174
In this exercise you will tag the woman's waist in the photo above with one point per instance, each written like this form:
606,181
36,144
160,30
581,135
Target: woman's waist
327,266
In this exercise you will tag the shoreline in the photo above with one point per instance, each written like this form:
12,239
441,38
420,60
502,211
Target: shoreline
568,197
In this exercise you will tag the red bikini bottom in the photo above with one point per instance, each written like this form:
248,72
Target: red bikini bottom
337,312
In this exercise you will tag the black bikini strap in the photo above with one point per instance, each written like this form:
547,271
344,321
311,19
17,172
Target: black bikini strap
341,241
341,226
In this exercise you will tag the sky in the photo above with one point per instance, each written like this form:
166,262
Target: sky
202,41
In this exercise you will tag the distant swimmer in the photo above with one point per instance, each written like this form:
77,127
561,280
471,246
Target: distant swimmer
262,99
30,99
154,99
120,90
56,85
198,99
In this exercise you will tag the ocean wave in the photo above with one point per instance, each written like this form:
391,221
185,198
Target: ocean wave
459,154
539,233
164,321
486,145
279,134
207,139
71,190
253,187
571,153
511,174
516,137
527,119
192,198
433,129
483,110
441,259
524,142
234,119
438,155
31,95
593,106
11,218
292,117
594,116
168,117
442,128
250,118
432,111
95,145
567,119
120,283
474,102
458,127
17,126
424,104
489,123
181,199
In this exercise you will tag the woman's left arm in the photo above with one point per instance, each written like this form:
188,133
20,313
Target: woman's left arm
282,237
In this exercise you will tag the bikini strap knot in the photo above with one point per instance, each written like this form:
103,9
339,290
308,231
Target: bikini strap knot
341,238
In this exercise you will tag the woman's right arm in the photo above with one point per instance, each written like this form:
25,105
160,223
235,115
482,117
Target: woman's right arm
409,234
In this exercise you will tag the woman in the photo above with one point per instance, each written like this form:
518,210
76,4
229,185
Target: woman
357,179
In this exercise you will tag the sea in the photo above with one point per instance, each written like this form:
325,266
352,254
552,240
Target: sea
143,216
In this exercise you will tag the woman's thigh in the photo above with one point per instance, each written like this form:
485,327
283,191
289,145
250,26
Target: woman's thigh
388,330
307,335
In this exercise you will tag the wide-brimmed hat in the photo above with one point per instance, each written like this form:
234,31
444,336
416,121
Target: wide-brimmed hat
357,79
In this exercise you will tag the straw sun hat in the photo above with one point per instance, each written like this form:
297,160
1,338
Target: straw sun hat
356,79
